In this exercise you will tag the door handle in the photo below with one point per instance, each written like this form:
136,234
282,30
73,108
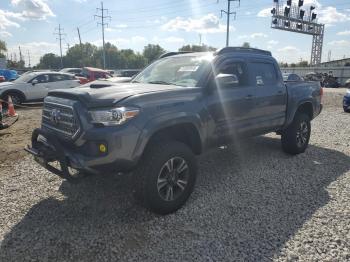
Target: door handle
249,97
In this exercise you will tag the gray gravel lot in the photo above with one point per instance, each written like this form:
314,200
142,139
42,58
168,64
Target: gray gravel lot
251,203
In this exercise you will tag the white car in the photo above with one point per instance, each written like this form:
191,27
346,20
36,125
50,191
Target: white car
35,86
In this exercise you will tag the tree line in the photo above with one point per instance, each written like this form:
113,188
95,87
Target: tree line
88,54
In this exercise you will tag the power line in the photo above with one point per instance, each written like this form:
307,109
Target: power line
103,24
60,34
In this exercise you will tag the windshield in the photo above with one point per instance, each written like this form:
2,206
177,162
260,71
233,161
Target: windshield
25,78
176,70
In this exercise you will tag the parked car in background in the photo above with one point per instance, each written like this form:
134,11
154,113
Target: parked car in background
127,72
8,74
2,79
90,74
35,86
346,101
289,77
74,71
347,83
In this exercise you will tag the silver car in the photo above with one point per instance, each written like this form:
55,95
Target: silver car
36,85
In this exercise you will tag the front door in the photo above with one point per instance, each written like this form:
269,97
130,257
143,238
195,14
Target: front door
230,105
39,87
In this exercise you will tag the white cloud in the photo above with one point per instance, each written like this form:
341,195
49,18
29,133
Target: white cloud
253,36
5,34
138,39
174,40
288,49
33,9
315,3
344,33
273,42
266,12
116,28
330,15
340,43
258,35
209,24
6,20
121,42
36,49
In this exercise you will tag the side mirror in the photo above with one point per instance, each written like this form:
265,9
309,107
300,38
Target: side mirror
34,82
227,80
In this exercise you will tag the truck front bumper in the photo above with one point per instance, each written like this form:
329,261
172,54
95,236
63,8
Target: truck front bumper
61,159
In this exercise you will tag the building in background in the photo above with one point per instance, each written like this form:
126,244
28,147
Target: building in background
336,63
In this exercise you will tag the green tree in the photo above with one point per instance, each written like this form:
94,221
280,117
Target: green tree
246,45
152,52
50,61
303,64
197,48
3,48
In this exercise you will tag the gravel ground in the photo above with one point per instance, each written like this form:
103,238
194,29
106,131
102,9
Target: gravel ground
251,203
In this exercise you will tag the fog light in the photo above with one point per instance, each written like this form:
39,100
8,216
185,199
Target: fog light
102,148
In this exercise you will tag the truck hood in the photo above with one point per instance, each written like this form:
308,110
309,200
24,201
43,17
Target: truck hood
104,94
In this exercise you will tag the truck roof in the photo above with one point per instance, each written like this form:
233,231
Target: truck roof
222,51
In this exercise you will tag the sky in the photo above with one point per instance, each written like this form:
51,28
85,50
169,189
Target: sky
32,24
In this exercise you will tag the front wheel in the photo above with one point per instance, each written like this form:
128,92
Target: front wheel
166,176
295,139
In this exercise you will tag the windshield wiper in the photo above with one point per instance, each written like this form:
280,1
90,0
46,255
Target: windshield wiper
159,82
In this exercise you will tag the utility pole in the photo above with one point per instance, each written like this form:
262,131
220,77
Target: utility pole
60,34
81,48
228,14
103,24
20,53
200,39
28,58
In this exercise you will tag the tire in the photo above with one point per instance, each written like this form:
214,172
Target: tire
346,110
17,98
153,178
295,139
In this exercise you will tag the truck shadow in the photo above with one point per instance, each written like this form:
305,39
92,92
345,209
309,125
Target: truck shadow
249,201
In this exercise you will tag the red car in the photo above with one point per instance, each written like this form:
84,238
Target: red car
2,79
90,74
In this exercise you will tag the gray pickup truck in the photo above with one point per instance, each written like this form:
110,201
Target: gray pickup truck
175,109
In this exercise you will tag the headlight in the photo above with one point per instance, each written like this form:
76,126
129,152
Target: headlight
113,117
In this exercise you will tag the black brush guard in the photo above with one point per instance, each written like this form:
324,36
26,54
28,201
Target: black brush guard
46,152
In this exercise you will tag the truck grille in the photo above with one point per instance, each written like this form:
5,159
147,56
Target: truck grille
60,119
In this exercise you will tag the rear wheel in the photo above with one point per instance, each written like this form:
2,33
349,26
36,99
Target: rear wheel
166,176
295,139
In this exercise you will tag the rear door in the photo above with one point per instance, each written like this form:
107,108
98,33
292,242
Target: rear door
59,81
271,95
231,106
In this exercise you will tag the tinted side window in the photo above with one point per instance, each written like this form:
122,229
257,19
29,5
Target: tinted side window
235,68
56,78
264,74
42,78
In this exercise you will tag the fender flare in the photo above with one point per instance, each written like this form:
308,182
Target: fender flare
167,120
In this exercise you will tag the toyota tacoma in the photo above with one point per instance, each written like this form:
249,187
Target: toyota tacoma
178,107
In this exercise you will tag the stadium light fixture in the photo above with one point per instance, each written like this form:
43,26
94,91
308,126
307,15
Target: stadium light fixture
286,11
